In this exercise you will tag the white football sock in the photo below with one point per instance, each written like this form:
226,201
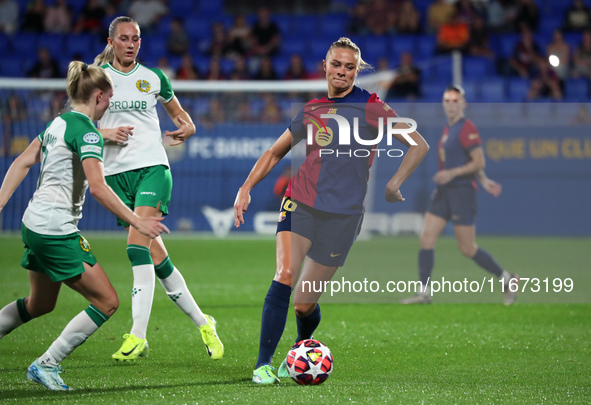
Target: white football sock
177,290
144,282
9,319
74,334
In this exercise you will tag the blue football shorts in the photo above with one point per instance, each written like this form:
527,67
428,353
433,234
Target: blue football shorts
456,204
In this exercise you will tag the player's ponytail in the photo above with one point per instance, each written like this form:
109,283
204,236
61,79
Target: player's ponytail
346,43
83,80
108,55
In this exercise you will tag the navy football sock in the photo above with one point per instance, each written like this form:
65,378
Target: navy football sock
273,322
487,262
307,325
426,261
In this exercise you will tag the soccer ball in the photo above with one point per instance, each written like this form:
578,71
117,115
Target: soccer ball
309,362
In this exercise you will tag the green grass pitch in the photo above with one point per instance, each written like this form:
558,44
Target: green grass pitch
464,348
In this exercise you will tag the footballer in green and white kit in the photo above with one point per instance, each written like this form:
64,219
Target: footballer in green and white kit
50,223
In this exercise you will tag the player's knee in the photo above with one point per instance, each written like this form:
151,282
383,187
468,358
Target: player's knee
468,250
427,241
283,275
37,309
302,310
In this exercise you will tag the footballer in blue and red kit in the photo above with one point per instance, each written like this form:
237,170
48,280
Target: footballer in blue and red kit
328,190
456,200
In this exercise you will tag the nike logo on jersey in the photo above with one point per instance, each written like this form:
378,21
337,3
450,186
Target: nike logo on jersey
333,255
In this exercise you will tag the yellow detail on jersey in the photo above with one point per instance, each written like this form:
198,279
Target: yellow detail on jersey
323,138
387,107
442,154
473,136
143,86
332,111
84,244
288,205
444,139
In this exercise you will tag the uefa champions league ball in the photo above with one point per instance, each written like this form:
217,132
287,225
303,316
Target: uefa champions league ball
309,362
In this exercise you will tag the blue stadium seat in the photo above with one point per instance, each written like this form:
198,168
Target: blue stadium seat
319,47
183,8
549,23
24,44
375,48
79,44
576,90
284,23
517,89
12,66
198,28
441,69
402,43
157,46
4,43
53,42
506,43
425,46
492,90
433,91
295,45
210,9
476,67
334,25
472,89
281,64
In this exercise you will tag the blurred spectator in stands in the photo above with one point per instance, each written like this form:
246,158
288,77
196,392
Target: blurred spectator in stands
91,17
466,11
577,17
215,115
8,16
582,117
383,64
187,70
45,67
525,56
408,21
266,70
407,79
357,20
165,67
218,44
528,14
439,12
266,35
178,40
239,37
58,17
215,70
12,109
559,48
34,16
296,69
240,70
57,105
453,35
546,83
243,113
380,18
147,13
271,112
582,57
479,44
501,16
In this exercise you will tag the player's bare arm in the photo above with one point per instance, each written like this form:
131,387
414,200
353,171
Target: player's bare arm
18,171
260,170
181,119
474,166
118,135
411,161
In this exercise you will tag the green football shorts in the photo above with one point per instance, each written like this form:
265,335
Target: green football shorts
145,187
60,257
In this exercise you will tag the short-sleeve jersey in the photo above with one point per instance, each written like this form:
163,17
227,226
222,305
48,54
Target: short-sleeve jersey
134,101
337,182
56,206
454,149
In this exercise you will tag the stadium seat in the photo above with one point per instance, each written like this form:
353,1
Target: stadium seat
472,89
492,90
334,25
210,8
441,69
182,8
79,44
576,90
375,48
24,44
433,91
476,67
157,46
12,66
506,44
425,47
517,89
400,44
198,28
